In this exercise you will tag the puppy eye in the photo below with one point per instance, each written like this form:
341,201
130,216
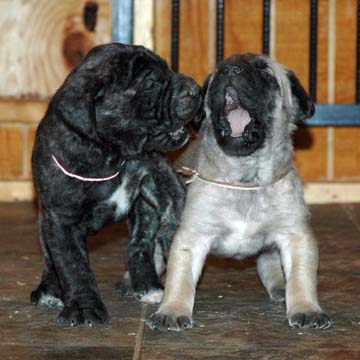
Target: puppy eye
265,74
149,83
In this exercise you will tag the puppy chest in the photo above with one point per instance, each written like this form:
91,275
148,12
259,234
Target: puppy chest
239,239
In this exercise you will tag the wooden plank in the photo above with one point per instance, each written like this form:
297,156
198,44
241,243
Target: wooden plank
30,144
17,191
42,40
235,319
332,192
194,36
243,26
11,152
292,50
347,153
144,23
194,39
310,154
162,28
322,63
22,111
346,140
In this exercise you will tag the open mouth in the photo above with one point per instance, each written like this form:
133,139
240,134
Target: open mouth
236,115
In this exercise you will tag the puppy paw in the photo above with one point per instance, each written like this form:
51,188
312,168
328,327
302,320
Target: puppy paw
277,295
39,297
167,322
123,288
153,296
314,320
74,315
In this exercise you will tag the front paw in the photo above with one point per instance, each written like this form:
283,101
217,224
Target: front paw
147,293
313,320
76,315
168,322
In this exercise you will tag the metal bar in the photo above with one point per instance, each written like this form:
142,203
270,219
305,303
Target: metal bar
266,26
123,21
335,115
220,8
358,55
175,26
313,48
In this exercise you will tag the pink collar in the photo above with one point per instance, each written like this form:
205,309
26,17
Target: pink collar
195,175
84,178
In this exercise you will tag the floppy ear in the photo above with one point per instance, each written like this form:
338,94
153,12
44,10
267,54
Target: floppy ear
198,119
75,100
305,106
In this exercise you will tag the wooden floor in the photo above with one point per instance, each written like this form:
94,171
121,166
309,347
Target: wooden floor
234,318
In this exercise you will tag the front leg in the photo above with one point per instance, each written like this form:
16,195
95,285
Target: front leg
142,280
186,260
299,254
67,248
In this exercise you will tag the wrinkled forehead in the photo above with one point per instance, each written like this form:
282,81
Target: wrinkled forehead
255,61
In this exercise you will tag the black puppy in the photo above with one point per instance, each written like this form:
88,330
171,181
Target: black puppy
96,159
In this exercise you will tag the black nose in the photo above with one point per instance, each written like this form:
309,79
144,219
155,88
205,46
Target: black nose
195,91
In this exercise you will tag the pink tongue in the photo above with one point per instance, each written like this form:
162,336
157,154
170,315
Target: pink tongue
238,120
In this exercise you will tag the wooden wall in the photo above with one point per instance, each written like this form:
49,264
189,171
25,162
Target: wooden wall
40,41
322,153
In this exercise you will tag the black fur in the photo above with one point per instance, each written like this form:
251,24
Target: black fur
247,76
115,112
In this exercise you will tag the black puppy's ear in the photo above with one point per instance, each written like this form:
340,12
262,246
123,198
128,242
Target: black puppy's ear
75,100
197,121
305,106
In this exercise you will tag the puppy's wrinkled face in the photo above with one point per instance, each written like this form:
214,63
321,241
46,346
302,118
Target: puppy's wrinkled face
144,102
242,98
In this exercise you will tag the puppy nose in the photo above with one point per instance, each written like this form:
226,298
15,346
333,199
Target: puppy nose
233,70
195,91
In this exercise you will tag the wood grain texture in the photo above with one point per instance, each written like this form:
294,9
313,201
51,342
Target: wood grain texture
292,50
162,29
322,52
31,131
292,37
17,190
11,152
193,36
23,111
42,40
243,26
346,144
310,153
345,67
347,153
234,317
194,39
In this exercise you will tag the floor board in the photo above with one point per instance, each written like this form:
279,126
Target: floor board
234,318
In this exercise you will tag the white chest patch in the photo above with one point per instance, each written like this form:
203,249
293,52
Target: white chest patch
237,237
121,198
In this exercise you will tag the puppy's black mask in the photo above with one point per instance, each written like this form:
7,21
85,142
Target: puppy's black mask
126,98
242,96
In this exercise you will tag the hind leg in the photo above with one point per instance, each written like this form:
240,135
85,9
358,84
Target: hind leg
49,292
271,274
66,246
